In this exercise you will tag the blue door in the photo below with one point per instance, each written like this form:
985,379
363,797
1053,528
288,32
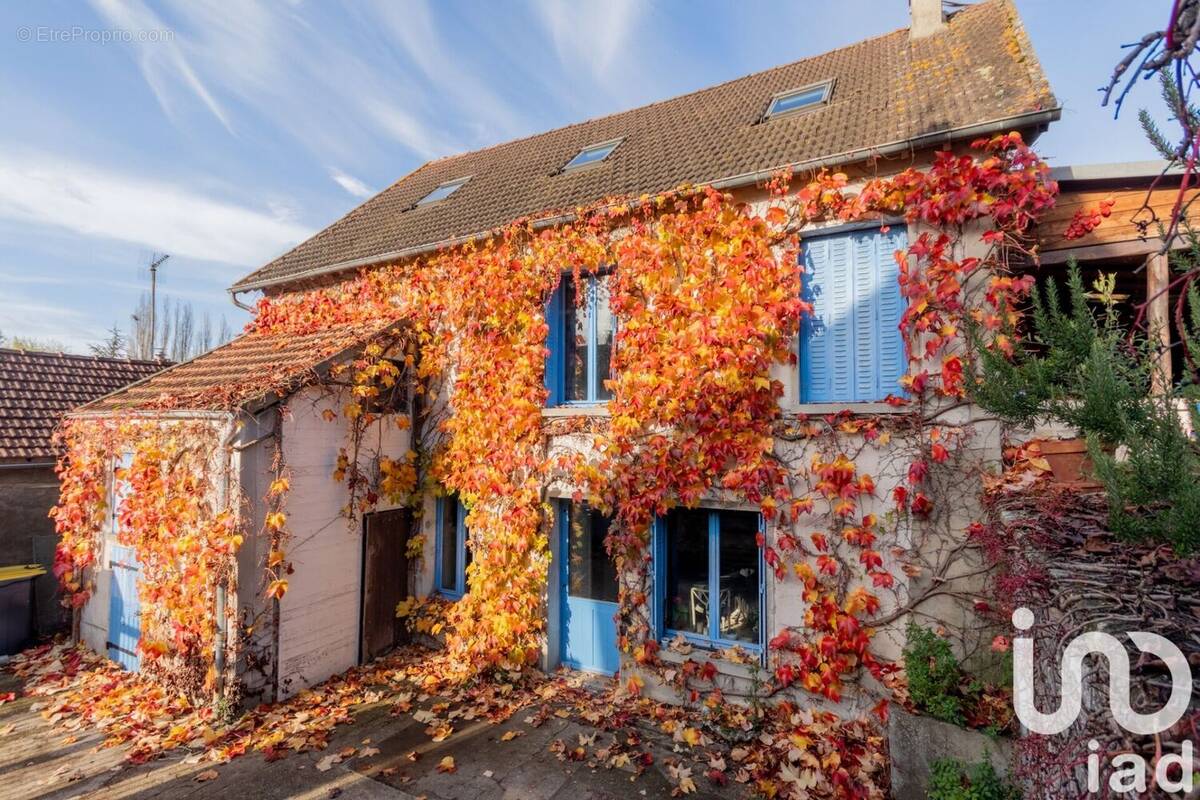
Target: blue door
124,609
589,591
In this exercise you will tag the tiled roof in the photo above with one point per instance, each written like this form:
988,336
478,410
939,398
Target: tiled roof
248,368
36,389
889,89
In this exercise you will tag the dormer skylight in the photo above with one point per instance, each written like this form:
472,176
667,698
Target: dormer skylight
592,154
802,99
442,191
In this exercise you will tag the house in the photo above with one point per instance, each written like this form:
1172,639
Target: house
36,389
874,108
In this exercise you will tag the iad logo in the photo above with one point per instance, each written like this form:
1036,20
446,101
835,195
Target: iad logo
1129,770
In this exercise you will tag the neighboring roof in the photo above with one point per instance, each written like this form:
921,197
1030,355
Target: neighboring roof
1117,171
980,72
36,389
249,368
1138,196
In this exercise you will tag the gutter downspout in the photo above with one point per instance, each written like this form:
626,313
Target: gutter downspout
226,456
233,296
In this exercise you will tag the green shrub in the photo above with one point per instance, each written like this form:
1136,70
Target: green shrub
950,779
1083,369
934,675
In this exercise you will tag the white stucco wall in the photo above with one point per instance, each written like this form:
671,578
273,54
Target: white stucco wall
319,616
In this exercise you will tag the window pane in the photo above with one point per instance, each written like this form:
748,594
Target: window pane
591,574
449,544
590,155
442,192
604,337
575,336
739,576
686,599
790,102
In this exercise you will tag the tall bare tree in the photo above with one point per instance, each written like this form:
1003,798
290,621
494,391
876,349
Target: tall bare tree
177,337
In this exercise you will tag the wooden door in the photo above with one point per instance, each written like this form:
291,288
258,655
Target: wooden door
385,581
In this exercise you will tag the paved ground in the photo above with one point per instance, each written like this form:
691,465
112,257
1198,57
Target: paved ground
38,762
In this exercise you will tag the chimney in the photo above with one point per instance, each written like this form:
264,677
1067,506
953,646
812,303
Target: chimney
927,18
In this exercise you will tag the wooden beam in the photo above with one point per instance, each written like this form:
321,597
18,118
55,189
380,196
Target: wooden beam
1158,321
1134,247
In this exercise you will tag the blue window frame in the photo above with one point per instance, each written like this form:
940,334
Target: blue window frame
453,552
702,554
580,342
851,349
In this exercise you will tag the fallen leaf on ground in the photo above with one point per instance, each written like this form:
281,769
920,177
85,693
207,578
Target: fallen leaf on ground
207,775
446,765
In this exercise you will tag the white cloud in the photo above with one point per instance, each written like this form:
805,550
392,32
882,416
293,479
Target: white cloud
283,62
42,189
412,26
590,35
30,319
350,183
161,59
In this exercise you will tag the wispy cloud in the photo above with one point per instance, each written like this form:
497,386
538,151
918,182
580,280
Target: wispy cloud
411,25
161,59
282,64
590,35
350,183
34,319
48,190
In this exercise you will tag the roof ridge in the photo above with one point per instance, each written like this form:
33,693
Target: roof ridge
516,175
82,357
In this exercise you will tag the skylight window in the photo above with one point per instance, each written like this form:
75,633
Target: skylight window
442,191
799,99
592,154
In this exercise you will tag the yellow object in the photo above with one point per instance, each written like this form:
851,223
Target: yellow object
18,571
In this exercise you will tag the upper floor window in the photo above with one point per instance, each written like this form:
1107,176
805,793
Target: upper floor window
851,349
453,548
710,576
582,330
592,154
442,191
799,99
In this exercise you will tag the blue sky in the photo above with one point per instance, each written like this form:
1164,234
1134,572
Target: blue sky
232,131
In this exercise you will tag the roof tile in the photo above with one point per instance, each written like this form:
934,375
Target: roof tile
887,89
36,389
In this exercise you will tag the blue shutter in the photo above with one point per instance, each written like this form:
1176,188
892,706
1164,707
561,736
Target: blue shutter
814,343
851,348
864,311
554,343
893,362
826,357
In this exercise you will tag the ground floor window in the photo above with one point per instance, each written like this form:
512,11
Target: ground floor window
710,576
453,550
